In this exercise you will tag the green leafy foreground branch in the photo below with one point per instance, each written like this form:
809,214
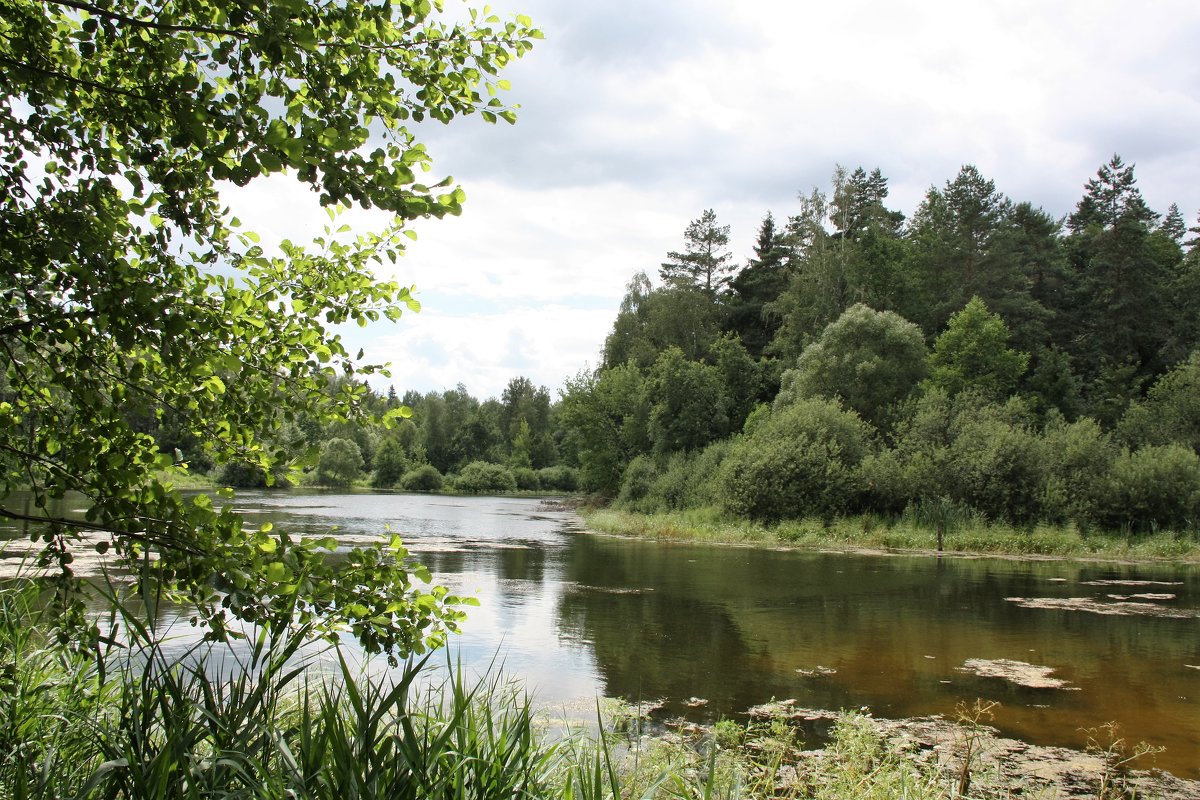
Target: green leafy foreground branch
128,292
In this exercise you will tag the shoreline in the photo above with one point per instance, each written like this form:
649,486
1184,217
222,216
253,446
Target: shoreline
874,536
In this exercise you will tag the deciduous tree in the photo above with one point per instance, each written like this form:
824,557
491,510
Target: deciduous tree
126,289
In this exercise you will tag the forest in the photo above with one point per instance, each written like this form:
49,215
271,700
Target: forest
980,355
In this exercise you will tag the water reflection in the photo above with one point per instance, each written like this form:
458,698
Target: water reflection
578,615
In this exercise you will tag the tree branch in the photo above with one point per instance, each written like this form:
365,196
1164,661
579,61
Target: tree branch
96,11
17,516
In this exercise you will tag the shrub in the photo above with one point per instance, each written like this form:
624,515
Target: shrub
998,468
560,478
484,477
1154,487
240,475
636,483
527,479
689,480
1078,457
424,478
803,460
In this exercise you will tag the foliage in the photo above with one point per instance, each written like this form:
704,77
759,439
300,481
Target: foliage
424,478
973,353
1170,411
867,359
801,461
483,477
341,463
703,264
608,415
1152,488
128,291
687,405
390,464
559,478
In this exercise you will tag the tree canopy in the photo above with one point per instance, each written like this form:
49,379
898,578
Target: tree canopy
127,290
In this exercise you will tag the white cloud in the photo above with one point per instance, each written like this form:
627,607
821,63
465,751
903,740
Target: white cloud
438,349
635,118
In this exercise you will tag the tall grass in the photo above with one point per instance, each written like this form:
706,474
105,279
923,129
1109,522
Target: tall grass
968,534
146,725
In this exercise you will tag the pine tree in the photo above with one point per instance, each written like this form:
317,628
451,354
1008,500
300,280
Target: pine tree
1123,277
1173,225
704,263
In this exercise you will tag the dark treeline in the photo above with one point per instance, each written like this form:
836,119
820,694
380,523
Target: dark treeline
980,354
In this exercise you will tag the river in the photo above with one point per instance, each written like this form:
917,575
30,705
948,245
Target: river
709,631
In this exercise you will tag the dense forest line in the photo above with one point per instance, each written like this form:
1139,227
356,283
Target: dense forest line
981,356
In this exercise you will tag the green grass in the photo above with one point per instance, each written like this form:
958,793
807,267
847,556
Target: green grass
874,532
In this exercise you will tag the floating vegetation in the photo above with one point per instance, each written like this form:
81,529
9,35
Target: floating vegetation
1109,609
1132,583
817,671
1021,673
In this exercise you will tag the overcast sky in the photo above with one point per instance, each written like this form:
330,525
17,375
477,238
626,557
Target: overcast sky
635,117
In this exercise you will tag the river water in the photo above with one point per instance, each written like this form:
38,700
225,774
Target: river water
578,615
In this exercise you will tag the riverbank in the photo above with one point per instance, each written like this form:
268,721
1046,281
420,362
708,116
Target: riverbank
919,757
873,533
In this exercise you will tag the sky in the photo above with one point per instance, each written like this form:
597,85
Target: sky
636,117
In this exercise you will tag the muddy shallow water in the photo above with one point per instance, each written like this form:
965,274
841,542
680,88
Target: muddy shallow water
714,631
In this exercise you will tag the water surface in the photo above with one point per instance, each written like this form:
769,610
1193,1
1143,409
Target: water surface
579,615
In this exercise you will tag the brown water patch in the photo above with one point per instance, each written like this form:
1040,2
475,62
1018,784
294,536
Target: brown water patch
1108,609
1018,672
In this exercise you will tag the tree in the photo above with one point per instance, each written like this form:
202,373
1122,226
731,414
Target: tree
687,405
1124,270
761,281
391,463
649,323
868,359
703,264
608,417
973,353
127,290
340,464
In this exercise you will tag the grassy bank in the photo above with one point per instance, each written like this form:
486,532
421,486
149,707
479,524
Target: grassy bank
873,532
